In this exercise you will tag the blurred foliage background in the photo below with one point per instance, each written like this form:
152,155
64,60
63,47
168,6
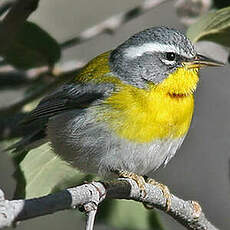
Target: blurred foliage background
40,59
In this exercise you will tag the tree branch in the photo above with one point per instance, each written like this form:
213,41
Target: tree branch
188,213
111,24
14,20
59,75
4,6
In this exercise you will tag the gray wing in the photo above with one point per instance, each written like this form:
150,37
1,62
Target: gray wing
65,98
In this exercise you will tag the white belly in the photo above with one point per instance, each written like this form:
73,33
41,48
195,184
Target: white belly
90,147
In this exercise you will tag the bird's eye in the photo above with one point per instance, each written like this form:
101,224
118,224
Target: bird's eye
170,56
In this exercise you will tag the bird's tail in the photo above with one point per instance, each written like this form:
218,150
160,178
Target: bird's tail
29,142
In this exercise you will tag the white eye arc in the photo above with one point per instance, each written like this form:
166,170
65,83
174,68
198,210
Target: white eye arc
167,62
137,51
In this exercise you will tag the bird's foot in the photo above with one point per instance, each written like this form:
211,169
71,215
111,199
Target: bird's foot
138,179
165,191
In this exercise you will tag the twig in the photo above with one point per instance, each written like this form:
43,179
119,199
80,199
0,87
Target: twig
4,6
59,77
188,213
91,208
90,219
10,109
10,115
14,20
11,77
111,24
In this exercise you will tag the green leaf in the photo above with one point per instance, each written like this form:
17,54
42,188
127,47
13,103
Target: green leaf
44,172
221,3
128,214
155,221
214,26
33,47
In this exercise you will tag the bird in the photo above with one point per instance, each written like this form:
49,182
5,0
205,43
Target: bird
128,110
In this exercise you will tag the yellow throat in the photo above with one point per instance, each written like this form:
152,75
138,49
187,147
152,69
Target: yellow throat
143,115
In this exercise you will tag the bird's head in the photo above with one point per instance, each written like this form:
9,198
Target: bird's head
162,57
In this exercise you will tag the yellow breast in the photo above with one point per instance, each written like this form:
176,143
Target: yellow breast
143,115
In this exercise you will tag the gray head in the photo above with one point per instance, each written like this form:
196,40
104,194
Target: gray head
151,55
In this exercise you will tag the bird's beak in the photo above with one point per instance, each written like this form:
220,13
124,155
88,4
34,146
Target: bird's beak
201,61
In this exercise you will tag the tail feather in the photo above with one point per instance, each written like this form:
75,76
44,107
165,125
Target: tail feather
26,143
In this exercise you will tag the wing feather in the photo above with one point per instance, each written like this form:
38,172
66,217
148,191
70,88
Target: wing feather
68,97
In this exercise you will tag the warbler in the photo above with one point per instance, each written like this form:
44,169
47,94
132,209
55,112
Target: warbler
129,109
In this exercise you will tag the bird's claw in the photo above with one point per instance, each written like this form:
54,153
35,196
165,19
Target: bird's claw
165,191
138,179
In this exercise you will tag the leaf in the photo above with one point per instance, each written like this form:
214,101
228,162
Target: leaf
220,3
155,221
32,47
44,172
214,26
128,214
